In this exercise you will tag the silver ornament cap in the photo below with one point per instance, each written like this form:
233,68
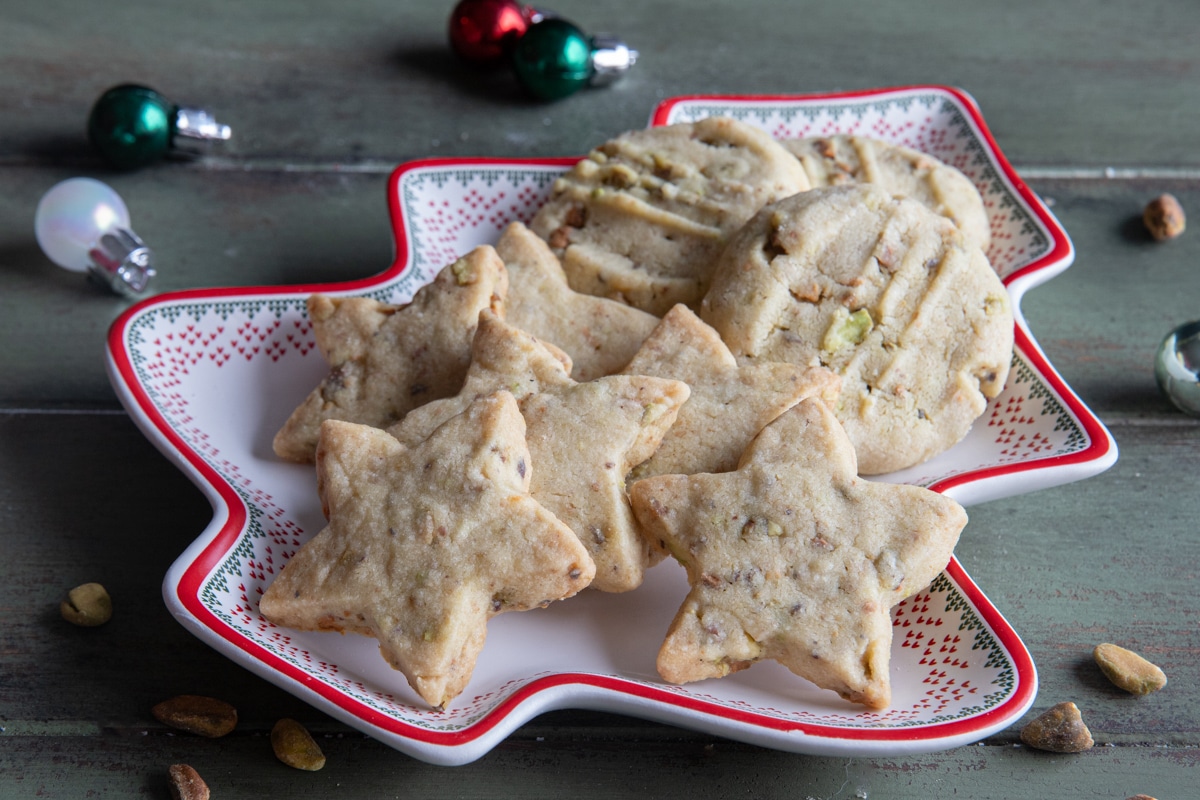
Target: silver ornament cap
121,261
611,59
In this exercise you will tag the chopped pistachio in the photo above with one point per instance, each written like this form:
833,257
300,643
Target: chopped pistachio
847,329
621,176
294,746
87,605
760,525
1128,670
653,412
463,274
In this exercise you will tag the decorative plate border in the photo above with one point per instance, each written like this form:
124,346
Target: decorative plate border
200,585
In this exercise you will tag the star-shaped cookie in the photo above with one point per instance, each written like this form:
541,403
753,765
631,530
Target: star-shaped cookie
794,558
425,544
583,439
386,359
599,334
729,404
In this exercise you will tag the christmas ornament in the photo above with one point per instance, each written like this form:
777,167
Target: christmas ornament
1177,367
552,57
555,59
483,32
82,225
132,126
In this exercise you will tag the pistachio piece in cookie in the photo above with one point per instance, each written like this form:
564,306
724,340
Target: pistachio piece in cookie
884,292
793,557
388,359
583,438
730,402
426,543
599,334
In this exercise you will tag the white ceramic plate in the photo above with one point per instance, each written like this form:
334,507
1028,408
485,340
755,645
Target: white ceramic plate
210,375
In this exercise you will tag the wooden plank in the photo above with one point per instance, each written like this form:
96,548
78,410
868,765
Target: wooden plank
224,228
375,81
116,766
1066,566
324,102
1100,322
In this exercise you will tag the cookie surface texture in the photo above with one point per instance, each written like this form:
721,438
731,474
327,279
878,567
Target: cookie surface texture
794,558
425,544
885,293
599,334
583,439
729,403
841,159
388,359
641,218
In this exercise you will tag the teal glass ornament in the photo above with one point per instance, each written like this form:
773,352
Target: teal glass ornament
1177,367
555,59
552,60
132,126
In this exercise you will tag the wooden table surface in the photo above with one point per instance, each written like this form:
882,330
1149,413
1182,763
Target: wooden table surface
1097,105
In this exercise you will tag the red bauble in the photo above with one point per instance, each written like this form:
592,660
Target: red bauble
484,31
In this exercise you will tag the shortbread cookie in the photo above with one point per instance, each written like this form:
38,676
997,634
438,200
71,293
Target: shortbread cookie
583,439
794,558
388,359
885,293
641,218
599,334
425,544
841,159
729,403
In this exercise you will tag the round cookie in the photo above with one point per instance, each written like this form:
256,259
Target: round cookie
840,159
885,293
641,218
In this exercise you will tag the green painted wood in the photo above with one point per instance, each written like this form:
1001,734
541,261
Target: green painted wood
1074,83
1102,320
227,228
1109,559
242,766
1099,322
325,99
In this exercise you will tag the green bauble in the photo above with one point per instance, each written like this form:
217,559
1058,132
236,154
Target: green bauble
553,59
131,126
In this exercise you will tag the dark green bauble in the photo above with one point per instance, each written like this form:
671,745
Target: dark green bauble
553,59
131,126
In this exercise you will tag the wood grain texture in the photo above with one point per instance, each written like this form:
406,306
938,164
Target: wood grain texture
324,100
369,80
1069,567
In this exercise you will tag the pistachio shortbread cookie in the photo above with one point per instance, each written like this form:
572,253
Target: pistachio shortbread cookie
599,334
425,544
841,159
794,558
388,359
885,293
641,218
583,439
730,402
